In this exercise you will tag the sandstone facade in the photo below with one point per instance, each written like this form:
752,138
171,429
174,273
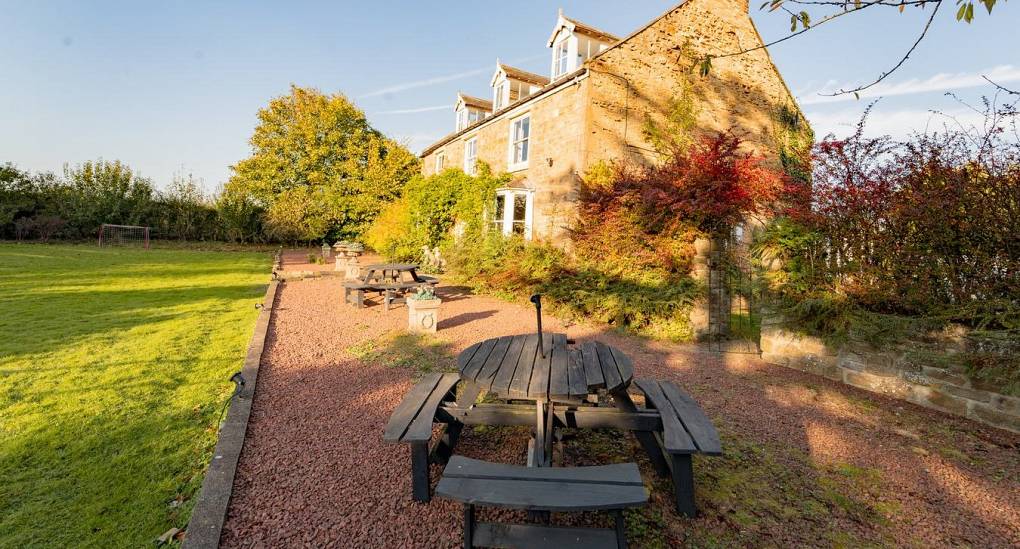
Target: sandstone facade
597,113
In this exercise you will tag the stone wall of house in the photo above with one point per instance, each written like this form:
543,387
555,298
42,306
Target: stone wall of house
553,154
636,79
917,371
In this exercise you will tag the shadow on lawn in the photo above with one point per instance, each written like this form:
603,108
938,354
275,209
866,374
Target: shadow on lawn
100,311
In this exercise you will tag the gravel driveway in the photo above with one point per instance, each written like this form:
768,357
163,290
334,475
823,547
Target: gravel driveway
808,462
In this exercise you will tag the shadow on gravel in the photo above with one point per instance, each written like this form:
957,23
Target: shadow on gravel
464,318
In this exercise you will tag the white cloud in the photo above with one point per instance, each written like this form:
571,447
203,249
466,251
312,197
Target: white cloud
442,79
417,110
941,82
898,123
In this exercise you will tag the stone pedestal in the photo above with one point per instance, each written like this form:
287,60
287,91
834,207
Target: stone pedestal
422,315
347,259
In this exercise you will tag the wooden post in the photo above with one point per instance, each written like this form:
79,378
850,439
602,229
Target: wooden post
683,484
420,471
621,529
622,401
447,442
469,525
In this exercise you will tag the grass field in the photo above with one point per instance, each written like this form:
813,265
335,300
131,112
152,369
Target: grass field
114,368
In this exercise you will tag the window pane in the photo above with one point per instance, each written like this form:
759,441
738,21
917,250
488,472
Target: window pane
500,207
518,227
526,126
520,207
524,151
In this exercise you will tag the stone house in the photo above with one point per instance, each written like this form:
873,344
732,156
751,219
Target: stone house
547,130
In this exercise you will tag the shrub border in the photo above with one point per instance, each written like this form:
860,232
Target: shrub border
210,512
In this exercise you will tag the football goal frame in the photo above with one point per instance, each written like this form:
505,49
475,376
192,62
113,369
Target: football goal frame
123,235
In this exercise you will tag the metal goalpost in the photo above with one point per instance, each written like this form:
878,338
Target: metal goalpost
123,235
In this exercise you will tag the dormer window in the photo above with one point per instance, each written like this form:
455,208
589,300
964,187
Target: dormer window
510,85
573,43
499,100
561,58
470,110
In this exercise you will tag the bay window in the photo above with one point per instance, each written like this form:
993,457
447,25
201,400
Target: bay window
513,212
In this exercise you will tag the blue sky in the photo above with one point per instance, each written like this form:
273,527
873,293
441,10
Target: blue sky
173,87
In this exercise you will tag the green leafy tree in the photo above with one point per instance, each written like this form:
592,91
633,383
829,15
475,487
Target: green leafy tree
319,168
100,192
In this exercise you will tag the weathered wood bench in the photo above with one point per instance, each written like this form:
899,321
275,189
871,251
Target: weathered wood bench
686,431
556,489
354,292
411,423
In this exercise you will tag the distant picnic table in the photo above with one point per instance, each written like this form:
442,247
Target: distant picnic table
391,280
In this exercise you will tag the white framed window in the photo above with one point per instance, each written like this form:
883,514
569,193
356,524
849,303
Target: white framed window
520,137
462,119
561,57
513,212
475,116
499,99
470,155
440,161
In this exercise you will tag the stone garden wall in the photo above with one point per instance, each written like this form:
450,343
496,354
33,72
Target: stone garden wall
921,372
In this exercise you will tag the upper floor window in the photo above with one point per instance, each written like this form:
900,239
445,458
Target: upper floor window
462,119
520,135
440,161
470,155
499,100
560,58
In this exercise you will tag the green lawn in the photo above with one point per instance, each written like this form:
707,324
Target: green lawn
114,367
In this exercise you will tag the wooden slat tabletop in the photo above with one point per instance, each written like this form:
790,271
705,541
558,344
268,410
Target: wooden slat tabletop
512,367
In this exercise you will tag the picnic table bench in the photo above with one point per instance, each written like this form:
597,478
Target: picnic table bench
597,488
388,280
671,426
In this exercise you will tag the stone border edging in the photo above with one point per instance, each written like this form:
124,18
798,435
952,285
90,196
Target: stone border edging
210,512
889,373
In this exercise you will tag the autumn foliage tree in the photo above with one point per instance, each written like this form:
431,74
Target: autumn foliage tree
318,168
926,227
653,213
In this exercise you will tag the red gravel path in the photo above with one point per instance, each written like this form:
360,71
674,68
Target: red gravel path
315,472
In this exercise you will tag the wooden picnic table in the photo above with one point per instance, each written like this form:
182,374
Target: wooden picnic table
520,368
394,273
387,279
561,379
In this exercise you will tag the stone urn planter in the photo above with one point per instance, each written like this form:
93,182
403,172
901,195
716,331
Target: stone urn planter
423,312
347,254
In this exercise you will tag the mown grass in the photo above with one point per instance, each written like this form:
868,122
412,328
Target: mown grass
114,369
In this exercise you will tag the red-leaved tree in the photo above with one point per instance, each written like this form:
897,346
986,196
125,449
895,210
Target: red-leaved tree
653,213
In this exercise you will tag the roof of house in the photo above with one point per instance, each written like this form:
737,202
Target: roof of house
514,73
591,31
576,26
562,82
472,101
